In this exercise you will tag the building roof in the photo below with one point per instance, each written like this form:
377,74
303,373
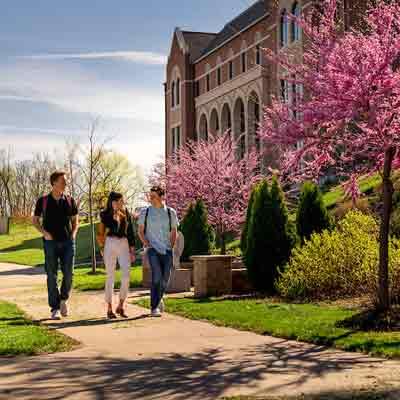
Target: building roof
197,42
238,24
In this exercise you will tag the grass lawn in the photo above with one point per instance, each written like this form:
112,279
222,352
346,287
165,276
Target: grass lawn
19,335
304,322
24,244
336,195
84,279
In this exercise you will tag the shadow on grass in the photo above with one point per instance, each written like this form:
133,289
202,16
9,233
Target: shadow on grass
82,245
372,320
199,375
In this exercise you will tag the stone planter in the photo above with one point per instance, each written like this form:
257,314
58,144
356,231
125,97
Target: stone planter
4,225
189,265
240,282
180,280
212,275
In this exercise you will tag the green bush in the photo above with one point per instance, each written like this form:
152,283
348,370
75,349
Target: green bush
340,263
244,236
196,230
312,214
269,238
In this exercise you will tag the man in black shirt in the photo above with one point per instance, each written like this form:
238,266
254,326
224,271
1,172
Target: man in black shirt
59,228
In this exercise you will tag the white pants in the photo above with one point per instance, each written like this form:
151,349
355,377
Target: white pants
117,249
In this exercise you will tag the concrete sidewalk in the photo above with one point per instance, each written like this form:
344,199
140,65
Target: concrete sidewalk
170,357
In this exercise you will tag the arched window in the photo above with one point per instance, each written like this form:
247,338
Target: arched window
178,91
284,29
173,94
296,30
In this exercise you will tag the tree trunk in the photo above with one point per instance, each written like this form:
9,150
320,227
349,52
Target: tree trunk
383,273
92,236
223,244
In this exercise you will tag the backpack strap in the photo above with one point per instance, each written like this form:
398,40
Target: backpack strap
145,220
69,200
169,218
45,200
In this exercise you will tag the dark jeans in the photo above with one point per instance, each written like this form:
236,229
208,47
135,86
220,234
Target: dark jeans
161,265
59,253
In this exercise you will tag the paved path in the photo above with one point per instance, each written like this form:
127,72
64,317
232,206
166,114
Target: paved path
170,358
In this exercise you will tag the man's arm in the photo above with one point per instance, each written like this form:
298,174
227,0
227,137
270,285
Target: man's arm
75,225
142,238
174,234
36,223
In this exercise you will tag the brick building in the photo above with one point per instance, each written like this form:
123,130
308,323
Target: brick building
220,81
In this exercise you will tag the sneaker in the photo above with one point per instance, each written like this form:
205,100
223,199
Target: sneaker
64,308
156,312
161,306
55,314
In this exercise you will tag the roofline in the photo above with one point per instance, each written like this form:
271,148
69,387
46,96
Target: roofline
201,33
232,37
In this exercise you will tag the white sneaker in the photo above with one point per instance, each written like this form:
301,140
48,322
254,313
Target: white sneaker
64,308
161,306
156,312
55,314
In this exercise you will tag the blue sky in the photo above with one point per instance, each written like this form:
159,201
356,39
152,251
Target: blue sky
64,63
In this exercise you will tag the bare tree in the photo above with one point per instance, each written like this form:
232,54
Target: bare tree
7,175
90,172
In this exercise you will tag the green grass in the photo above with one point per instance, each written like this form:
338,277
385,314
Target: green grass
20,336
85,280
304,322
24,244
336,195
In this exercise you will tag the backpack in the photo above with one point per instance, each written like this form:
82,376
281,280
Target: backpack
46,200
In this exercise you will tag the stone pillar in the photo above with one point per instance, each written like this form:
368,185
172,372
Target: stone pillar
212,275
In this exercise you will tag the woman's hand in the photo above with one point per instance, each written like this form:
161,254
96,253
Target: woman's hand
132,254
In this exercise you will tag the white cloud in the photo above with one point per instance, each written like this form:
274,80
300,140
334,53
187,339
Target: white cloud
139,57
75,89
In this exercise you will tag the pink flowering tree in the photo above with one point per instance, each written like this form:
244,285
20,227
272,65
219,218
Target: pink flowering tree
349,116
210,171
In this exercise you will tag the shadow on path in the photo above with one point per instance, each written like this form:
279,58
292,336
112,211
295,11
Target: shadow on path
203,375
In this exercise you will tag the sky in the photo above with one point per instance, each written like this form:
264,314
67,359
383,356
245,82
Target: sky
65,63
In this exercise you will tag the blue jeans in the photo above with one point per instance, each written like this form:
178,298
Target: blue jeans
59,253
161,265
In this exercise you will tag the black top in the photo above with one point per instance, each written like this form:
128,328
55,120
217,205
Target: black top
122,230
57,216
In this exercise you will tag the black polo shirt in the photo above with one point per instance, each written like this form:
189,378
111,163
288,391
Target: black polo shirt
57,216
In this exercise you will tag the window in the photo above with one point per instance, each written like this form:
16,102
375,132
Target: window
244,60
258,55
208,82
178,91
176,139
296,30
173,94
256,125
284,91
346,14
196,88
230,69
284,29
219,76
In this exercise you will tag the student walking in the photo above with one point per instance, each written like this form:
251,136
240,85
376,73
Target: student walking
116,237
56,218
158,232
